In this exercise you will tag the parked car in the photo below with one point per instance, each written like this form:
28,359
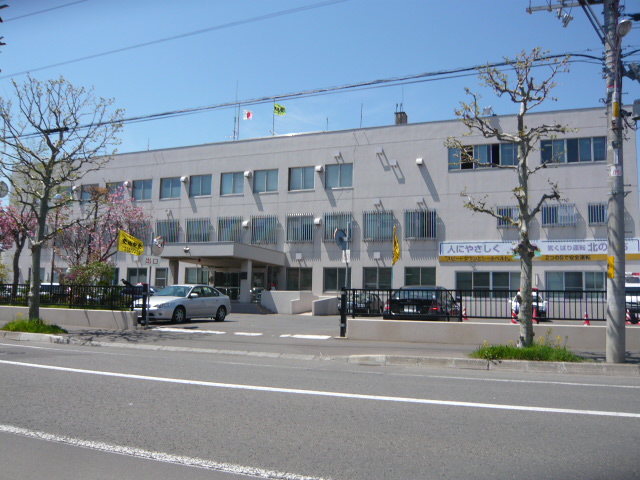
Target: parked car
421,302
365,302
181,303
539,303
632,301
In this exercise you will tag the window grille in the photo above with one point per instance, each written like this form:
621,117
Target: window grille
598,213
509,213
420,224
557,215
198,229
264,229
333,221
299,228
168,229
141,230
377,226
229,229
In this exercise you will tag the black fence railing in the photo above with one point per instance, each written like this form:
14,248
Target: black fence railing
114,297
452,305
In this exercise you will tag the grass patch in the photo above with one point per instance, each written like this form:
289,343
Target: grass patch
35,325
543,350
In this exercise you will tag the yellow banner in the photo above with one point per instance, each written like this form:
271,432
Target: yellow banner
129,244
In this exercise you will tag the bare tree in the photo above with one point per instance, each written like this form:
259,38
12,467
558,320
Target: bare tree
53,135
525,91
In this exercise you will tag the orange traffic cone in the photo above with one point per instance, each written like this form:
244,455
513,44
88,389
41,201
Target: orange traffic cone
535,315
514,317
464,314
628,318
586,319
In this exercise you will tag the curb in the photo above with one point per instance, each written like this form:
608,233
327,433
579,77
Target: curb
586,368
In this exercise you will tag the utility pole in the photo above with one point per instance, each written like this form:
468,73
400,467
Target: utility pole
611,36
615,345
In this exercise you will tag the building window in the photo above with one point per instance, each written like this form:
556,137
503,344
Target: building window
229,229
499,284
598,213
116,188
87,192
334,279
199,185
301,178
194,275
376,278
299,228
420,276
339,175
558,215
142,189
162,276
264,229
419,224
299,279
168,229
378,226
137,275
198,229
574,150
572,284
232,183
478,156
508,215
265,181
170,187
336,221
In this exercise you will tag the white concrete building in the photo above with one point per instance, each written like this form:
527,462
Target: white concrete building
263,212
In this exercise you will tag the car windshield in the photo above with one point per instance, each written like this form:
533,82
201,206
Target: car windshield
173,291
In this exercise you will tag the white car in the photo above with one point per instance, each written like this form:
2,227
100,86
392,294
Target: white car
539,303
181,303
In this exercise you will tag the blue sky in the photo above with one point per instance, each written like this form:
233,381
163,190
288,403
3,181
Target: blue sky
170,55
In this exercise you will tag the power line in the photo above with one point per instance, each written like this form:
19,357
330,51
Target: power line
371,84
43,11
182,35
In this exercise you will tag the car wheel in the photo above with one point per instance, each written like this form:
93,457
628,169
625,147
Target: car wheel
179,315
221,314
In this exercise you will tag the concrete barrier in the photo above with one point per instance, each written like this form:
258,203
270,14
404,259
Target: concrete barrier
63,317
577,337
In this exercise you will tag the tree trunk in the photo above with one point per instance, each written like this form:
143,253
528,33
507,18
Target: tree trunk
526,251
34,290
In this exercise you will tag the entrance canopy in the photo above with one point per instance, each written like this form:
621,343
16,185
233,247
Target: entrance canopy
223,254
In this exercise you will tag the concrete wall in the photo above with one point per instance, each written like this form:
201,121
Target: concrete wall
578,337
287,302
100,319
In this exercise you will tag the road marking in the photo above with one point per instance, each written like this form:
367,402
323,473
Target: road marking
247,334
185,330
156,456
307,337
355,396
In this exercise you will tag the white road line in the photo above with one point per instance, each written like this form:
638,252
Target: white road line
295,391
186,330
157,456
247,334
307,337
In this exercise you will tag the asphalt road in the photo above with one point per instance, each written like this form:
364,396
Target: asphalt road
100,413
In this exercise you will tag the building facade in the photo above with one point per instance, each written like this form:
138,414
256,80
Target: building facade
264,212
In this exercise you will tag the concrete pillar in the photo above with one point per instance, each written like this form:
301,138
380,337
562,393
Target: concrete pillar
246,274
173,272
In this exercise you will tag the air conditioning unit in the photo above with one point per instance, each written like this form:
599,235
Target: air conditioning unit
248,173
184,179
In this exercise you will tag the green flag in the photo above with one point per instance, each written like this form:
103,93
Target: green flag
279,109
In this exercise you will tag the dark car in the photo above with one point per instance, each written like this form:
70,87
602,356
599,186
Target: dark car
367,303
422,303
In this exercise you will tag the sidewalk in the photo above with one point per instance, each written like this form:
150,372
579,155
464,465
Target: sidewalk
428,355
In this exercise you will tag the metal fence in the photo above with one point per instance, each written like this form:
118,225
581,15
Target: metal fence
114,297
494,304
